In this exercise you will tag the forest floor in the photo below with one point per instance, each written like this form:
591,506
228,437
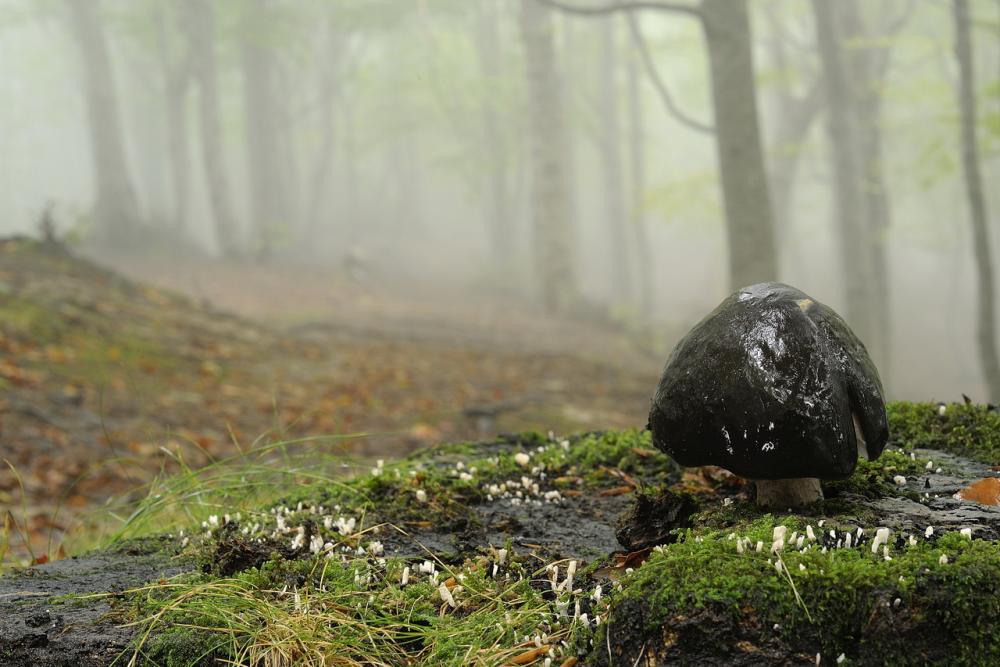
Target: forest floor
107,380
129,406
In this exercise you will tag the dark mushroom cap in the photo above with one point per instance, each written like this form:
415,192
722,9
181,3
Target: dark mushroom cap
766,386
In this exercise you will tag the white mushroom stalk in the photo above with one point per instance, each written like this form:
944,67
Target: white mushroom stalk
788,492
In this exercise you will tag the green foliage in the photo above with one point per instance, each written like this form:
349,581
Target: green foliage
874,479
966,429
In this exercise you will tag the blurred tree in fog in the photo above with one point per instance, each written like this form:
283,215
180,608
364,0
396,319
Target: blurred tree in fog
116,208
746,192
198,19
855,60
518,150
499,161
269,153
986,325
554,251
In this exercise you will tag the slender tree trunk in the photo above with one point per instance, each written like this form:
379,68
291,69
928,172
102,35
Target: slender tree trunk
180,152
752,249
868,68
843,139
793,118
177,80
611,164
554,252
266,169
498,197
116,207
637,160
328,82
986,325
200,27
350,169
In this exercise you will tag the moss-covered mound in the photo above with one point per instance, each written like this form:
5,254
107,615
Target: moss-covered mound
713,598
962,428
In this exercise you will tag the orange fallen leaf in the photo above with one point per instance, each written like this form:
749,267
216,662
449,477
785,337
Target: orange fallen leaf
985,491
529,657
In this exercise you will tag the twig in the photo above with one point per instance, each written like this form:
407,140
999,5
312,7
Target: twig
657,80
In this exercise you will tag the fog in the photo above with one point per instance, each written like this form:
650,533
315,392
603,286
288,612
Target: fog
541,161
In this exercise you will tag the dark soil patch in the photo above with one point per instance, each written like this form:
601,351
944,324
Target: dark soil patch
653,519
46,618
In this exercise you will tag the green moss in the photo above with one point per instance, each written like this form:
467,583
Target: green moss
875,479
453,477
967,429
179,647
843,595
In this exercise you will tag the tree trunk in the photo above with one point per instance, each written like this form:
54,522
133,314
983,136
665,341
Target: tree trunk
498,196
611,165
843,139
200,28
265,158
329,79
551,208
868,69
986,325
177,79
637,160
793,118
749,223
116,207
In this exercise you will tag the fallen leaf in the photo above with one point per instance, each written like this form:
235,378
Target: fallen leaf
985,491
644,453
617,491
529,657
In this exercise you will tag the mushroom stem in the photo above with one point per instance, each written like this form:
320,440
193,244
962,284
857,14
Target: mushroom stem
859,435
788,492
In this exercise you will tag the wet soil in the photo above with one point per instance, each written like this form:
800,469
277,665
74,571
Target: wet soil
58,615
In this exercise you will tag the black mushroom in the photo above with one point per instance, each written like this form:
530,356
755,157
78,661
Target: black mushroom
775,387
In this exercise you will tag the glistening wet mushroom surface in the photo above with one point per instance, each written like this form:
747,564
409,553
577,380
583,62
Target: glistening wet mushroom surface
768,386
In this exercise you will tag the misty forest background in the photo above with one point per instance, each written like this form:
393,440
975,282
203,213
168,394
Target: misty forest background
624,164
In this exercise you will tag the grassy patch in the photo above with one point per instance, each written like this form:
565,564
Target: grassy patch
352,610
